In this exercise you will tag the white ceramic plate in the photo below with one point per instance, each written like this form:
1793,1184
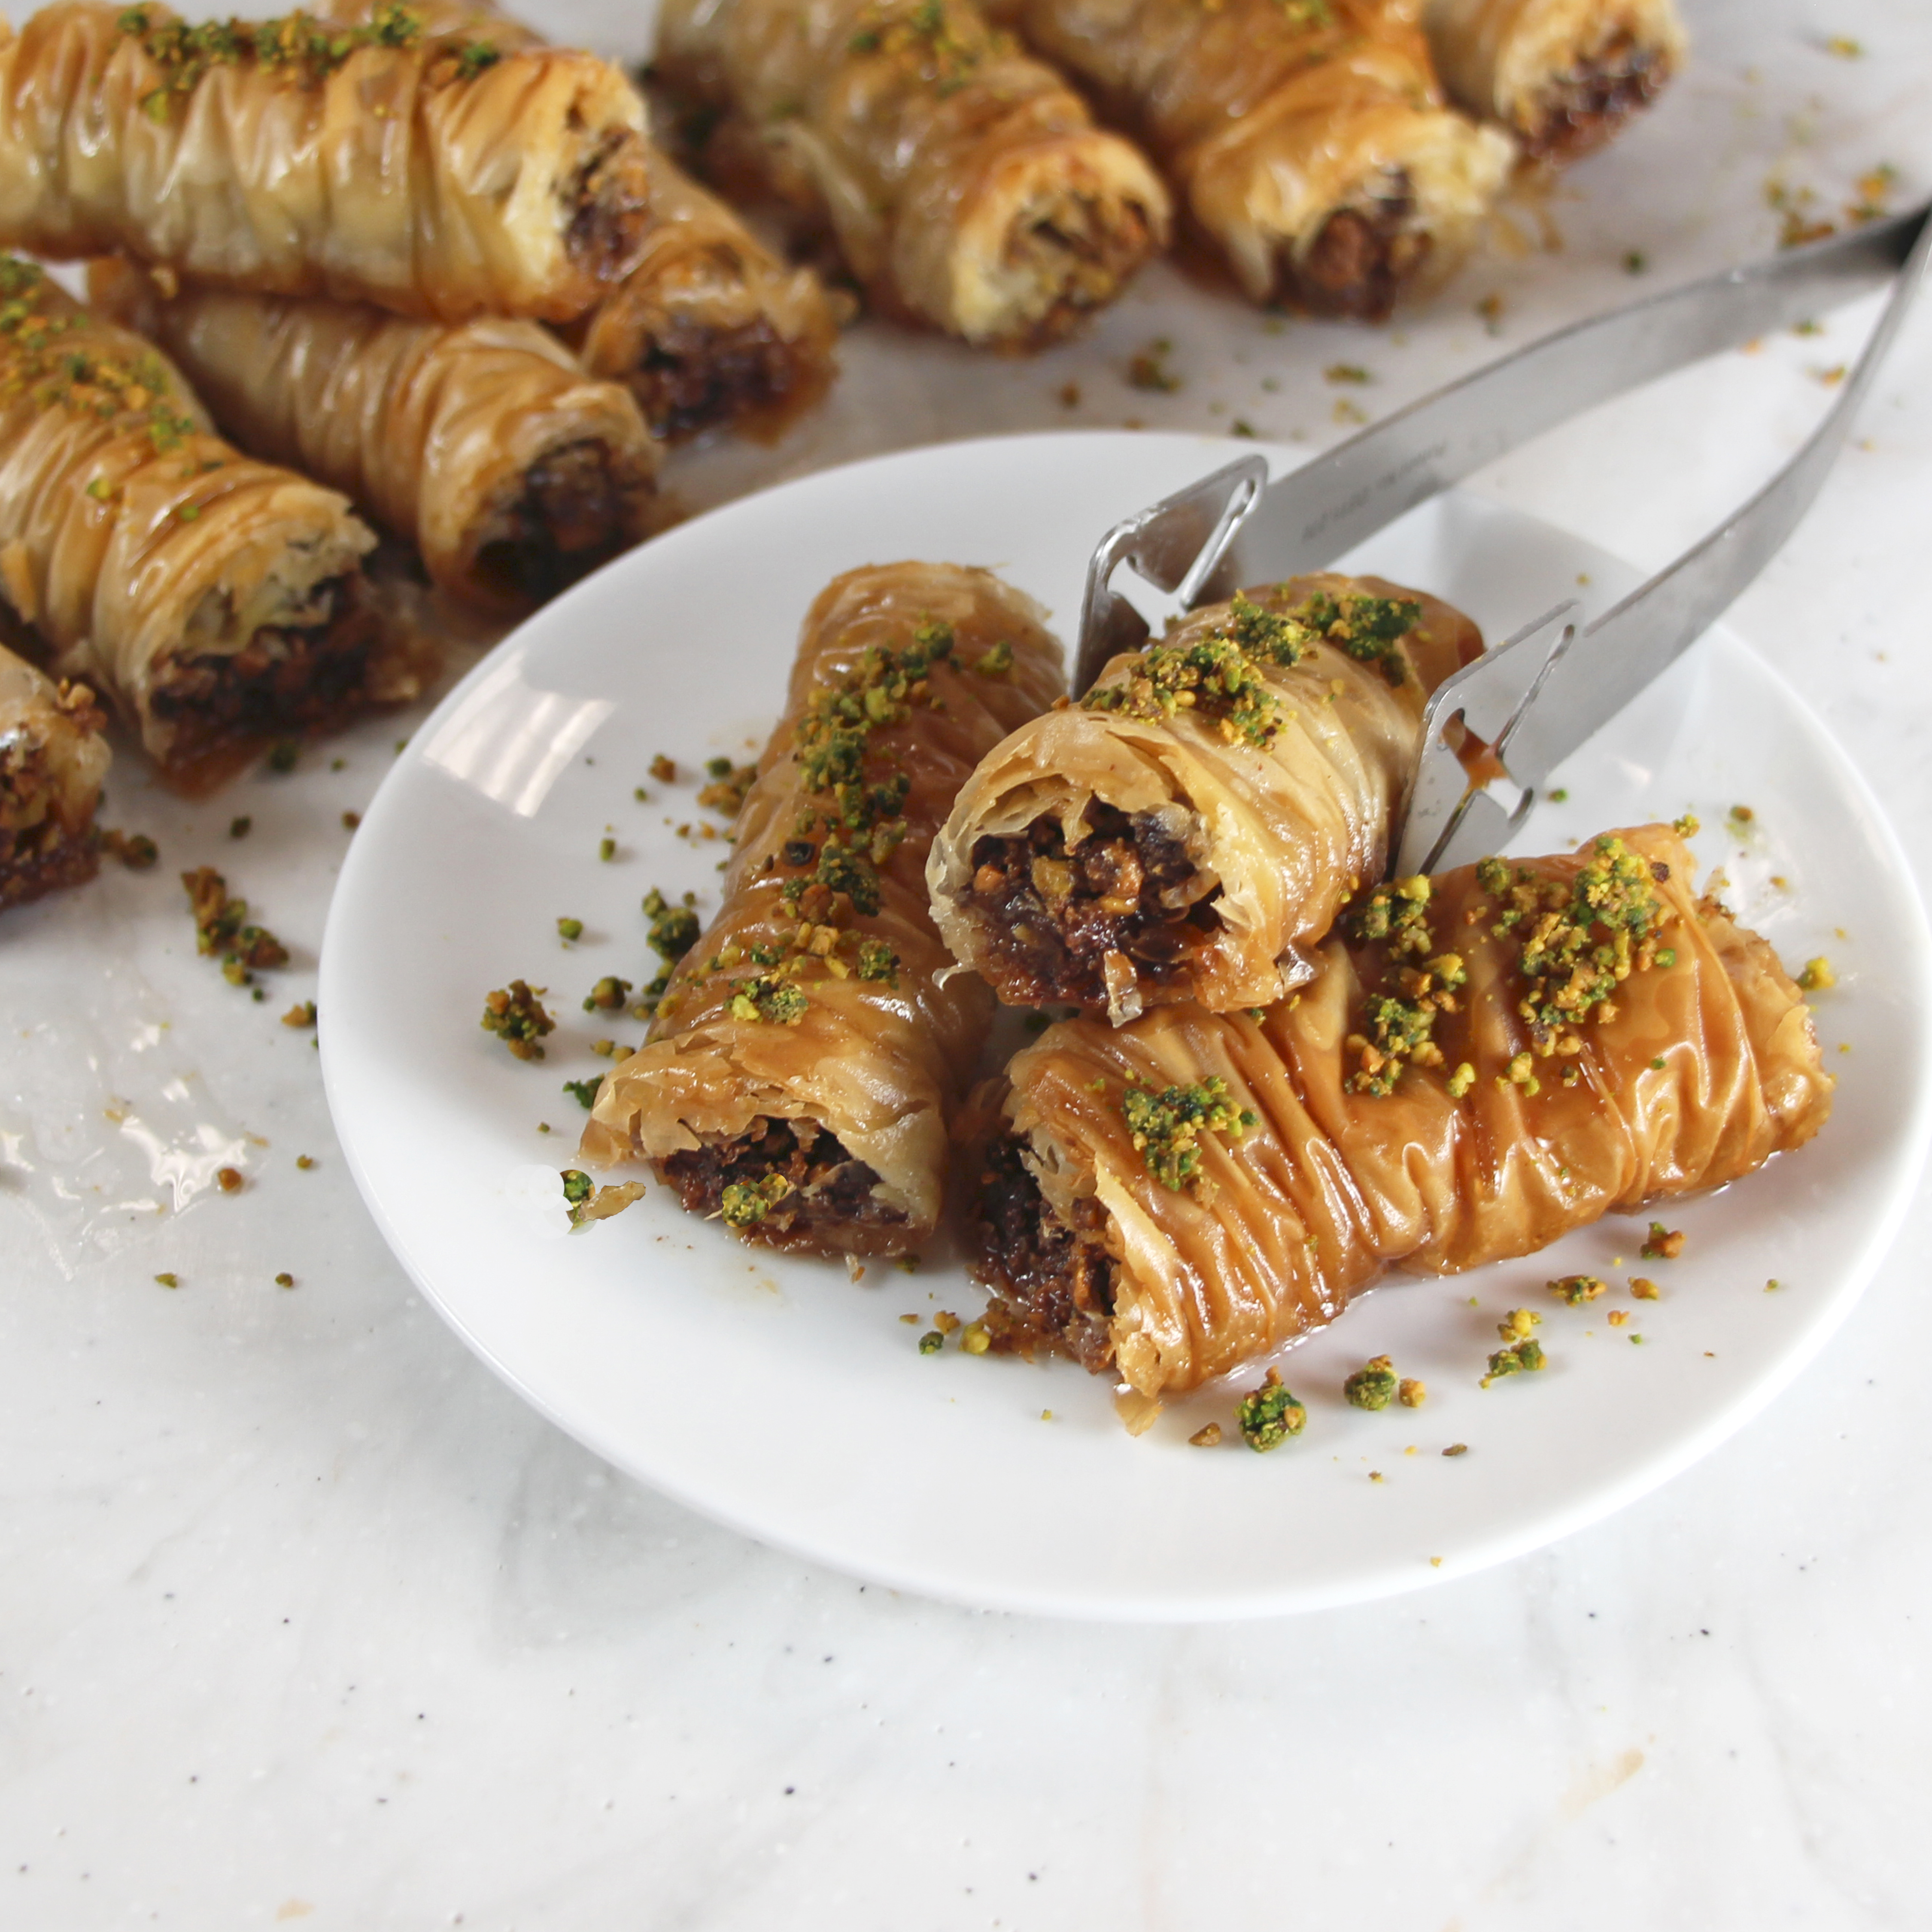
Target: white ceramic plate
777,1396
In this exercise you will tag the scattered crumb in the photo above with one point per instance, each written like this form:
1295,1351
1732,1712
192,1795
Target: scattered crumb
1618,1316
240,828
304,1162
1346,372
1643,1288
664,770
302,1014
911,1320
1375,1476
1412,1393
946,1322
1207,1438
169,1280
974,1339
1069,395
1455,1449
1663,1244
351,820
228,1179
285,1280
1635,261
1149,369
1771,1286
1817,976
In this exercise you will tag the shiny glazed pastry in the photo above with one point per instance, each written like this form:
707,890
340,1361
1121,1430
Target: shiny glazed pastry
801,1073
1563,76
53,760
216,600
1308,138
1484,1062
484,443
367,159
965,182
710,329
1206,810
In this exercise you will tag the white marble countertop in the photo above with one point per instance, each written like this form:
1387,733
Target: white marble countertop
303,1617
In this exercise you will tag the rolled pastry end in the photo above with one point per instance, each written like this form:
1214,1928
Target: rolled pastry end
1056,229
52,759
1401,218
282,640
579,503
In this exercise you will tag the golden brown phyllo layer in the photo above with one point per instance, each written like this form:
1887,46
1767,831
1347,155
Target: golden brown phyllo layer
367,155
1206,810
1308,139
482,443
805,1062
215,600
1483,1062
964,183
1563,76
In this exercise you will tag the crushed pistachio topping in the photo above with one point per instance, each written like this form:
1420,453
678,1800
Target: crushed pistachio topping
1397,1026
1662,1244
1518,1323
135,850
878,961
1524,1358
570,931
1576,1289
932,1341
516,1015
584,1092
608,994
729,783
996,662
38,359
776,1001
943,48
221,931
1373,1385
746,1203
1369,629
1269,1415
1580,941
1817,976
1166,1127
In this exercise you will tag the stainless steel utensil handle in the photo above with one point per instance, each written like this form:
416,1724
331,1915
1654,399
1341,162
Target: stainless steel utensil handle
1599,671
1315,513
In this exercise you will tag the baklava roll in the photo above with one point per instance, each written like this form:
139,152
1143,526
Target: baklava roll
1308,139
1205,811
52,759
369,160
965,183
484,443
1485,1062
1562,75
801,1074
711,329
217,600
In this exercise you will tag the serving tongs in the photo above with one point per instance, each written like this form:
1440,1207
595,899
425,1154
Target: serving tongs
1534,698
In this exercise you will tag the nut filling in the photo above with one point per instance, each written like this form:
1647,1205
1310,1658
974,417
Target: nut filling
694,375
1053,915
576,509
823,1185
1083,250
610,200
1580,110
1053,1285
283,680
1362,259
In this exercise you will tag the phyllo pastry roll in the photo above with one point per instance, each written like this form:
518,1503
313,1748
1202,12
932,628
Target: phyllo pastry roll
1206,810
484,443
366,158
216,600
802,1071
1563,76
1308,139
1486,1061
52,759
965,183
711,329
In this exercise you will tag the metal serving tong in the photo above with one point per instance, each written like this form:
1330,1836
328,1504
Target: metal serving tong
1536,696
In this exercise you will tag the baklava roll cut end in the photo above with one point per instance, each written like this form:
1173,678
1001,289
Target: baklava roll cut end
1310,143
217,600
369,157
1485,1062
483,443
964,181
802,1072
1203,814
711,329
53,760
1563,76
